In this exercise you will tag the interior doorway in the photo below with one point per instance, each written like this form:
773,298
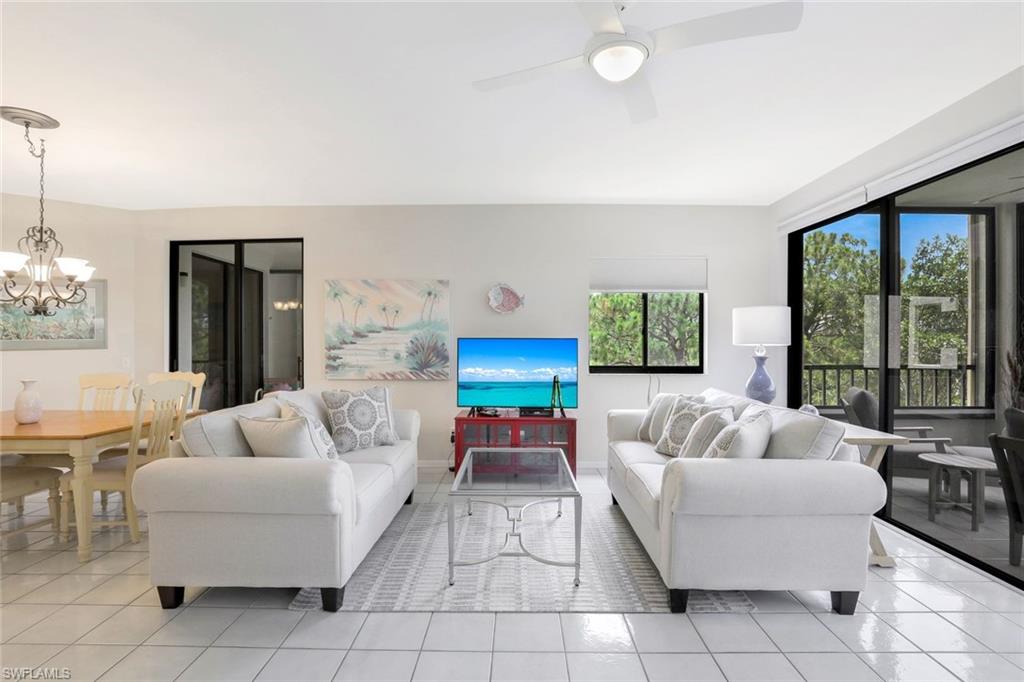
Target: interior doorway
236,313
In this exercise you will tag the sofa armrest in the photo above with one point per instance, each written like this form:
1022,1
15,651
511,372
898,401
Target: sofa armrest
624,424
246,485
770,487
407,424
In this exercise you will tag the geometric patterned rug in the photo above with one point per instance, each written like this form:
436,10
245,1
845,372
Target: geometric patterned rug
407,570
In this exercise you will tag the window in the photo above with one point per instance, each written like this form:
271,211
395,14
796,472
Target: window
656,332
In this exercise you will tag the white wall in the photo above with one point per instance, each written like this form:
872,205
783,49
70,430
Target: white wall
105,236
544,251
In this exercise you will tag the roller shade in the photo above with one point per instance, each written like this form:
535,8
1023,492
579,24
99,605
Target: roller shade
662,273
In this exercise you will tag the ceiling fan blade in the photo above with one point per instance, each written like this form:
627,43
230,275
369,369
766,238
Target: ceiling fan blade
531,74
776,17
601,16
639,98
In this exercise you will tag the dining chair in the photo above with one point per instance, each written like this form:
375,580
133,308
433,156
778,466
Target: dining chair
108,391
1009,456
18,481
196,379
166,402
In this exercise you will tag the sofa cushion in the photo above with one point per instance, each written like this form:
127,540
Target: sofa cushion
373,484
644,482
624,453
217,434
307,400
714,396
704,432
684,415
798,435
283,437
654,421
399,457
746,439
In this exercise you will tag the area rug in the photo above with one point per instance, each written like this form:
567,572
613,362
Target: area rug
407,570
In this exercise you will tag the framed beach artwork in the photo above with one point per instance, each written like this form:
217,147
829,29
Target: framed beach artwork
387,329
73,327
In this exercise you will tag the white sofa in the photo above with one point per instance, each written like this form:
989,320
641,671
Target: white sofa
222,517
754,524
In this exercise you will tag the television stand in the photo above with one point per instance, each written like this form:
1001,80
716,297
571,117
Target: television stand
513,429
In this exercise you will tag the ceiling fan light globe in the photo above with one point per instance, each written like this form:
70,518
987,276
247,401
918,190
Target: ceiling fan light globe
616,62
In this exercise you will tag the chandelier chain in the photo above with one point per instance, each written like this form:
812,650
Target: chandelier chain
41,155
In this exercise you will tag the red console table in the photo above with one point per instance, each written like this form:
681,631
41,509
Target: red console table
509,430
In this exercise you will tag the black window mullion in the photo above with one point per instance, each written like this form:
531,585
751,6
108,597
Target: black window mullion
643,334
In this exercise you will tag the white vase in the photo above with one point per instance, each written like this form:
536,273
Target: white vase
28,406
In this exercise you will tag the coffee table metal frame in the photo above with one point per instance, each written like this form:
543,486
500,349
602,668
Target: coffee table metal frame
514,513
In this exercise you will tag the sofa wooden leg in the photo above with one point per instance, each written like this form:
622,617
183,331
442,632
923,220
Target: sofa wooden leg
844,603
170,597
677,600
408,500
331,598
615,503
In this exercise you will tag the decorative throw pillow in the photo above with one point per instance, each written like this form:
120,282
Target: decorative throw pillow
683,416
273,437
654,421
704,432
360,419
746,439
290,409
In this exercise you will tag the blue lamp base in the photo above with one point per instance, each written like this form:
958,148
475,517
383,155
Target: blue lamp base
760,385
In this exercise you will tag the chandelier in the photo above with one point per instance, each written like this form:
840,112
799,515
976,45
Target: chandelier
38,276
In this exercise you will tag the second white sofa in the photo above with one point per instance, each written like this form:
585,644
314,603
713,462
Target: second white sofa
222,517
748,524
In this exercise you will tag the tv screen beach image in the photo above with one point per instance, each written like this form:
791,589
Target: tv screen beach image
516,372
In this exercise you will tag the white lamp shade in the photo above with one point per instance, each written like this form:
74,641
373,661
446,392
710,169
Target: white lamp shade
40,273
618,61
12,261
71,267
85,274
763,325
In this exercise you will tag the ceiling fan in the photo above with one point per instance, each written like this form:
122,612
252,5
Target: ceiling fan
617,53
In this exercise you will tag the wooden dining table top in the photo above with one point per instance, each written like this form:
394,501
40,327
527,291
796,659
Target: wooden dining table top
71,424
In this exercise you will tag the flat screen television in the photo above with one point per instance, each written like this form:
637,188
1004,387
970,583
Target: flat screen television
496,372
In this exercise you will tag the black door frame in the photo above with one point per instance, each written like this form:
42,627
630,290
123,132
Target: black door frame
239,248
889,286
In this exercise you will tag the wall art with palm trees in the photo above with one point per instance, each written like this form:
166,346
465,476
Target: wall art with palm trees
73,327
387,329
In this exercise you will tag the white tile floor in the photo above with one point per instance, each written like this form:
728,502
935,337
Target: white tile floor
931,618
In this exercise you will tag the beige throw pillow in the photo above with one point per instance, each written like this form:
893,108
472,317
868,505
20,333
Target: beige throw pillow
654,421
746,439
683,416
704,432
290,409
292,437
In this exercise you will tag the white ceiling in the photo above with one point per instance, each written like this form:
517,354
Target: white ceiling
173,105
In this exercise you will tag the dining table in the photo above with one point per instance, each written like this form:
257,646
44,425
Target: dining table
71,439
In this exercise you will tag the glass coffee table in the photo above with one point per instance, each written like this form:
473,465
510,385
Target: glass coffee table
538,475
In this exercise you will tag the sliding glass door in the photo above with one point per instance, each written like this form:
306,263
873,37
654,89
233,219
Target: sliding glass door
236,315
903,314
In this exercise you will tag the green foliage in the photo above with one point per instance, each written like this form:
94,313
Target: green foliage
940,267
616,328
673,329
839,271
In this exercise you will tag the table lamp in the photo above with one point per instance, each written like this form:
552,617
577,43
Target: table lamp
761,326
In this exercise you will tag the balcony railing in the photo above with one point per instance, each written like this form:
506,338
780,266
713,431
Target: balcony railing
920,387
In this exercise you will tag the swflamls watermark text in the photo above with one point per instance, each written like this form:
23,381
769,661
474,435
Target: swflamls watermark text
8,673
